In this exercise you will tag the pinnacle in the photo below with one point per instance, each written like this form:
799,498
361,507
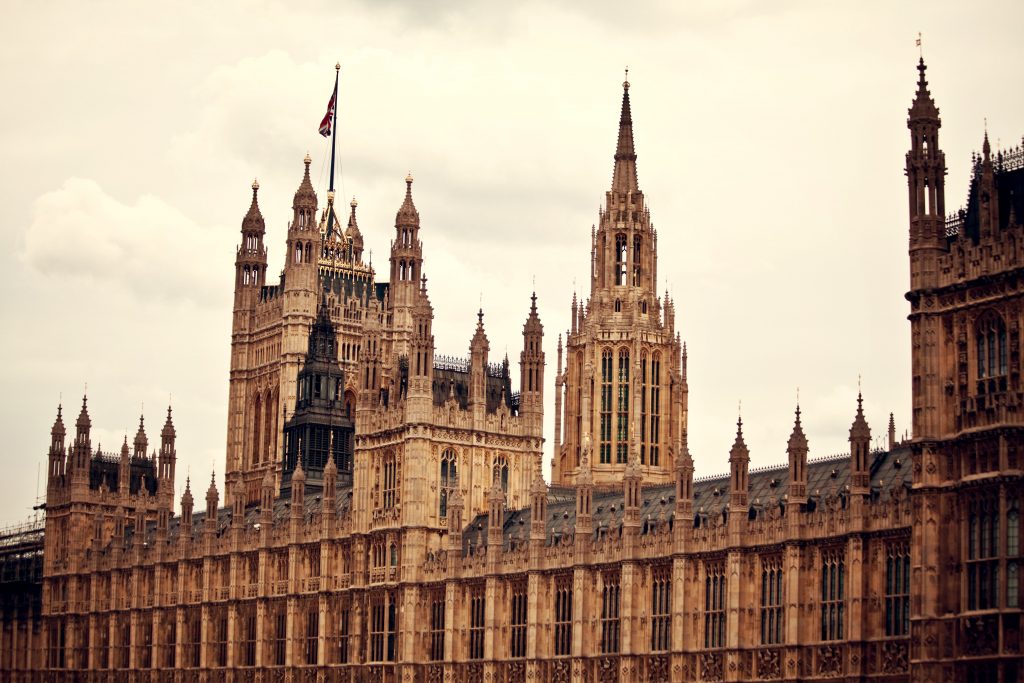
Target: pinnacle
58,424
923,106
407,215
624,178
797,439
860,428
305,194
739,447
83,416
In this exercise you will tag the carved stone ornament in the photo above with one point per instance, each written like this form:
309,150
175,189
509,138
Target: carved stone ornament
830,660
768,664
894,657
711,666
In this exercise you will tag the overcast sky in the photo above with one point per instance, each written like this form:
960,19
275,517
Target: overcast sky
770,136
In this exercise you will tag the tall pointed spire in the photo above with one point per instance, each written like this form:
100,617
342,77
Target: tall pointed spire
923,106
624,179
407,215
253,221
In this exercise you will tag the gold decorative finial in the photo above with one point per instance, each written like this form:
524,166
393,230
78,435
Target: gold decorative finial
255,184
337,66
408,177
330,197
353,203
308,159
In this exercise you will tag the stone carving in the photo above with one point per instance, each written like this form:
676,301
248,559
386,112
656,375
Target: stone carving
711,666
768,664
894,657
980,635
657,669
830,660
560,671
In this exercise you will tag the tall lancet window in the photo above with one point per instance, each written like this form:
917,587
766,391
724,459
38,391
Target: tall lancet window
991,347
607,370
655,432
449,479
622,437
643,407
620,259
579,405
636,260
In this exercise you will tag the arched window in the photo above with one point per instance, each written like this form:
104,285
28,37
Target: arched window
579,405
622,437
257,411
618,305
269,426
389,482
643,407
990,338
449,479
620,259
636,260
500,471
655,431
607,370
1013,558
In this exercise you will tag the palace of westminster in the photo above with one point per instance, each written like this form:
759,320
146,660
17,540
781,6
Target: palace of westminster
385,517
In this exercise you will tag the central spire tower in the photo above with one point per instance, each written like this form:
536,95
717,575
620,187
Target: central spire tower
624,390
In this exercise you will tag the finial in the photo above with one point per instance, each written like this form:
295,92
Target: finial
625,83
353,204
255,185
337,65
408,178
480,316
308,160
330,196
920,50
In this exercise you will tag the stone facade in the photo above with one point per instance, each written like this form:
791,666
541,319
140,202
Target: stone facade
447,557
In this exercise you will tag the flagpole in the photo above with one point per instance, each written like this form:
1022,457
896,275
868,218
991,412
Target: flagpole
334,133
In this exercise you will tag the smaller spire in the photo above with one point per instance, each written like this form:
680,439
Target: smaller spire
83,421
407,215
186,498
860,428
797,440
58,424
305,195
168,430
141,442
739,447
923,106
211,493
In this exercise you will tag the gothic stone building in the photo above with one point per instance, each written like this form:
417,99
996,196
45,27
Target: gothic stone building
387,519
